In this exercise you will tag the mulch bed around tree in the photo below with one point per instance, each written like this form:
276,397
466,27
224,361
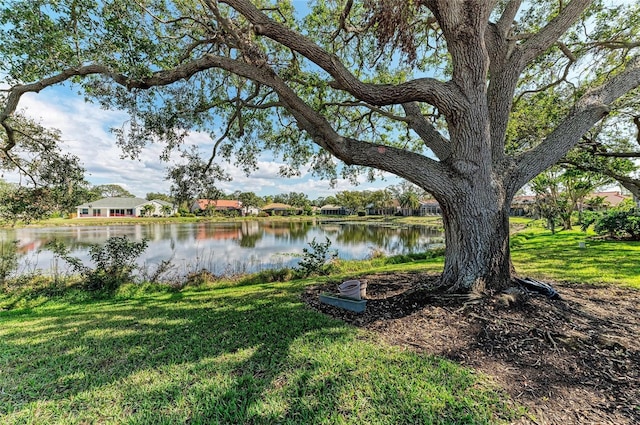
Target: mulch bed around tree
570,361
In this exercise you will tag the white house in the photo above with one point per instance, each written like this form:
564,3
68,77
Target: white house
125,207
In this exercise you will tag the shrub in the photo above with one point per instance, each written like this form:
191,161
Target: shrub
377,253
415,256
8,259
619,224
231,213
114,262
317,259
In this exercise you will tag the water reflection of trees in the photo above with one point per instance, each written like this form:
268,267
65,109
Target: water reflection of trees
250,234
292,231
393,238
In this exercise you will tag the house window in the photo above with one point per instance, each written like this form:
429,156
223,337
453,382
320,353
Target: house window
130,212
97,212
85,211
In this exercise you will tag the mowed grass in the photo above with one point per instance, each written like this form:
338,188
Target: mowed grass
539,254
248,354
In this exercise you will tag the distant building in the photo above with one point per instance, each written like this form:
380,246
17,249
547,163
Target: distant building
333,210
250,210
523,205
391,209
526,205
430,207
217,205
281,209
610,198
125,207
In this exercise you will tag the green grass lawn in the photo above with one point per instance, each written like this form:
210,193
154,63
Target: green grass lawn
538,253
248,354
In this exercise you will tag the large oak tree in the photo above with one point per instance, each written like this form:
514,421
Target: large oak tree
423,89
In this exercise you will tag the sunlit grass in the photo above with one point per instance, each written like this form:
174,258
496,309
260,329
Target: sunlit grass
251,354
538,253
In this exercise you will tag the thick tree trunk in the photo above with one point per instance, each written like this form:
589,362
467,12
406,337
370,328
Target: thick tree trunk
477,243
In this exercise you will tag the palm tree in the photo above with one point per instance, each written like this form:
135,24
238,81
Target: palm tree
166,210
410,201
147,210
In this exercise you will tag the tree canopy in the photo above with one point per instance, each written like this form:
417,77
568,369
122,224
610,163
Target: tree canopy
111,191
429,90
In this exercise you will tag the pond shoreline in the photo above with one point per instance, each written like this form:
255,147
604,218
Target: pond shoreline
433,221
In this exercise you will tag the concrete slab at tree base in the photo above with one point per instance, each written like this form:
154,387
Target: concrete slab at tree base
347,303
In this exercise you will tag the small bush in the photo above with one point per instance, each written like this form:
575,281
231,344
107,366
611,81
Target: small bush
114,262
376,253
267,276
415,256
199,278
8,259
316,260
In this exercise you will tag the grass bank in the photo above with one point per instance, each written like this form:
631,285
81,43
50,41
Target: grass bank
435,221
247,354
560,257
91,221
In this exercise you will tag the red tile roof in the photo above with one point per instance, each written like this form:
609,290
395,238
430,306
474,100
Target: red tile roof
219,204
613,198
278,206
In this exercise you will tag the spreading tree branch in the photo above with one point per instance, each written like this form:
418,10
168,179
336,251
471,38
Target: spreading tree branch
560,80
508,15
630,183
549,34
432,138
444,96
589,109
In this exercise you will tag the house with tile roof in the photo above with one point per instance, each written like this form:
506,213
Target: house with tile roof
610,199
429,207
216,205
391,209
281,209
330,209
523,205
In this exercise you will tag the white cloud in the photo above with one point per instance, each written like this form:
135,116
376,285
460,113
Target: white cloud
85,133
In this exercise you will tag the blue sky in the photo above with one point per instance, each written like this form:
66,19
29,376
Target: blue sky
85,133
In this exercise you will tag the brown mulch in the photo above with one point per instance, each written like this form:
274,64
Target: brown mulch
570,361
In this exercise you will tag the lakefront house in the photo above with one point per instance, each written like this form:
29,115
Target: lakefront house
125,207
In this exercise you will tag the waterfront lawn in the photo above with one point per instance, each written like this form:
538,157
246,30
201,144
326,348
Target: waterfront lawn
249,351
249,354
542,255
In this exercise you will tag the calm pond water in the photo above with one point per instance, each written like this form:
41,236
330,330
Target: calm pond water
223,248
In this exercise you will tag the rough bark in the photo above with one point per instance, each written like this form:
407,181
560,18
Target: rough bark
476,222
